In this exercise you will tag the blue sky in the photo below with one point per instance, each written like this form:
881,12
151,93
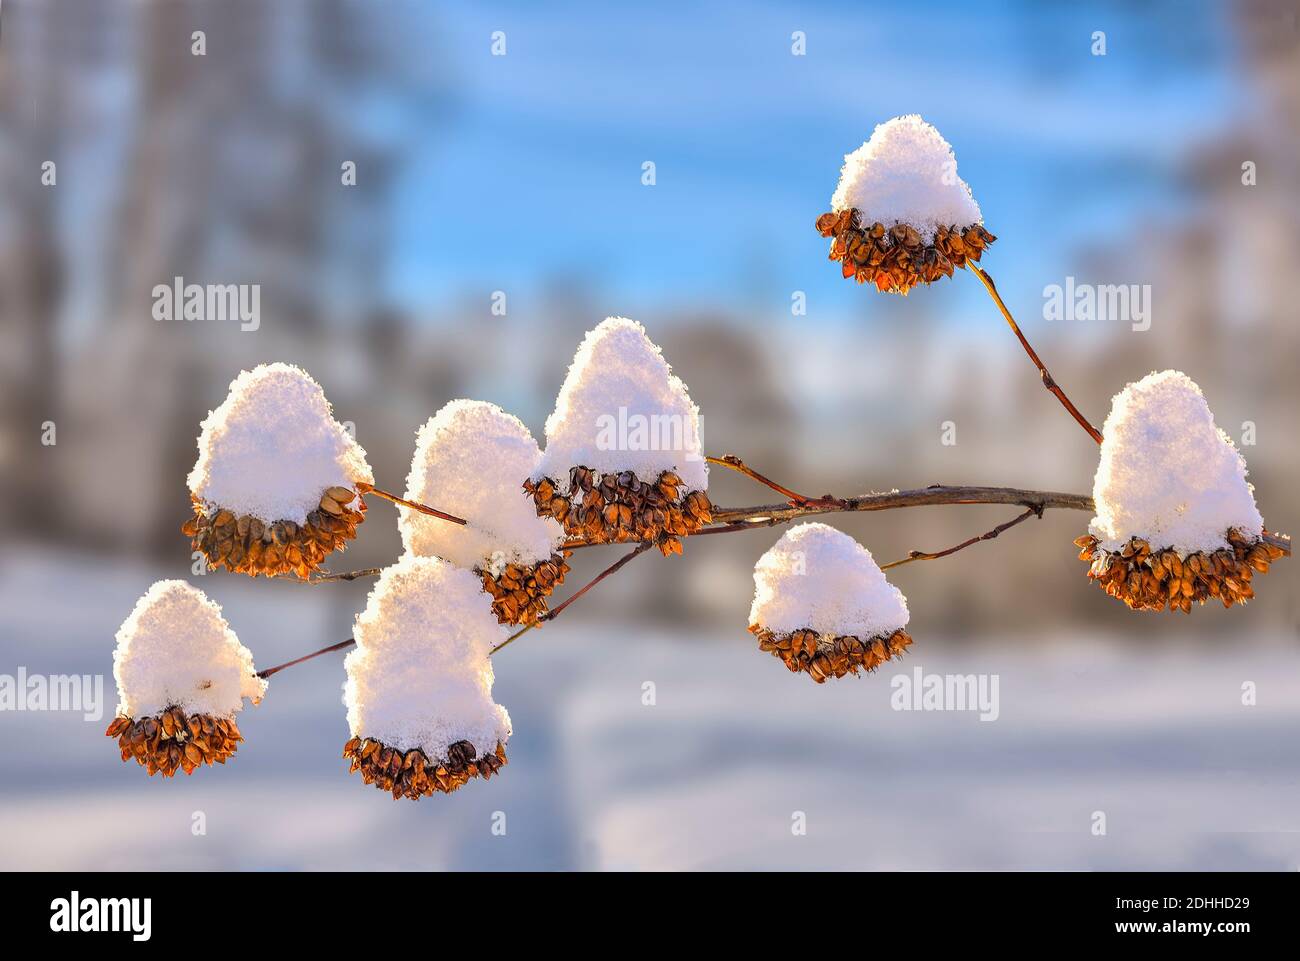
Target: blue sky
535,173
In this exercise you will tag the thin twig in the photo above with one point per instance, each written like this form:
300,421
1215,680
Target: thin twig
363,489
1281,541
987,536
509,640
1048,382
306,657
555,612
326,576
741,526
641,548
733,462
936,494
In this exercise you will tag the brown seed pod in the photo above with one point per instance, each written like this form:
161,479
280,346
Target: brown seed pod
519,593
412,774
896,259
823,656
1158,580
249,545
169,741
617,507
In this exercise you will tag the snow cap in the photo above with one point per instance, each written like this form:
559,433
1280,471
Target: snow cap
622,408
471,459
818,578
273,446
1167,473
421,675
176,649
906,174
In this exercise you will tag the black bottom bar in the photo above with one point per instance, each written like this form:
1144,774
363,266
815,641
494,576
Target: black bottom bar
980,911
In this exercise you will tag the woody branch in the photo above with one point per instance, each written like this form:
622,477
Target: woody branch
732,520
728,520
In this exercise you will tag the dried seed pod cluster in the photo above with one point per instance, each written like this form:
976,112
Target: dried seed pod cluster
1192,534
823,656
181,675
623,460
419,683
896,258
823,605
469,458
1160,579
519,593
616,507
248,545
900,215
173,740
272,488
411,774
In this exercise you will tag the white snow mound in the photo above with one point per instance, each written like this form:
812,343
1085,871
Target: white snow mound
420,675
1167,473
818,578
622,408
471,459
906,174
273,446
175,648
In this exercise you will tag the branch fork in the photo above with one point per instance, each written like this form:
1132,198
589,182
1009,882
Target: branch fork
732,462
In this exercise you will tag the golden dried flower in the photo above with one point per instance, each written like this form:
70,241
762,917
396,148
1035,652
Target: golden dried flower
627,435
172,740
618,507
1160,579
413,775
823,656
898,258
519,591
900,215
249,545
419,682
823,605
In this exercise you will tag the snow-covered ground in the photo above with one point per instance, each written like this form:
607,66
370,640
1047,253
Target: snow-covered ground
732,755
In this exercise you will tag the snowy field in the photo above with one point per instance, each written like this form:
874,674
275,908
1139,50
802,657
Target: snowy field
713,775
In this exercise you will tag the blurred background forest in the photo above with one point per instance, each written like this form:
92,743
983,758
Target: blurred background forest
521,174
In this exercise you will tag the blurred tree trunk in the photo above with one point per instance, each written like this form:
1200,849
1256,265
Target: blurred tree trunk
35,38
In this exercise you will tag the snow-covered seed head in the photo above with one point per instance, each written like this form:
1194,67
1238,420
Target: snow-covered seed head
419,683
822,605
471,458
181,677
274,486
1176,518
623,460
906,174
900,215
